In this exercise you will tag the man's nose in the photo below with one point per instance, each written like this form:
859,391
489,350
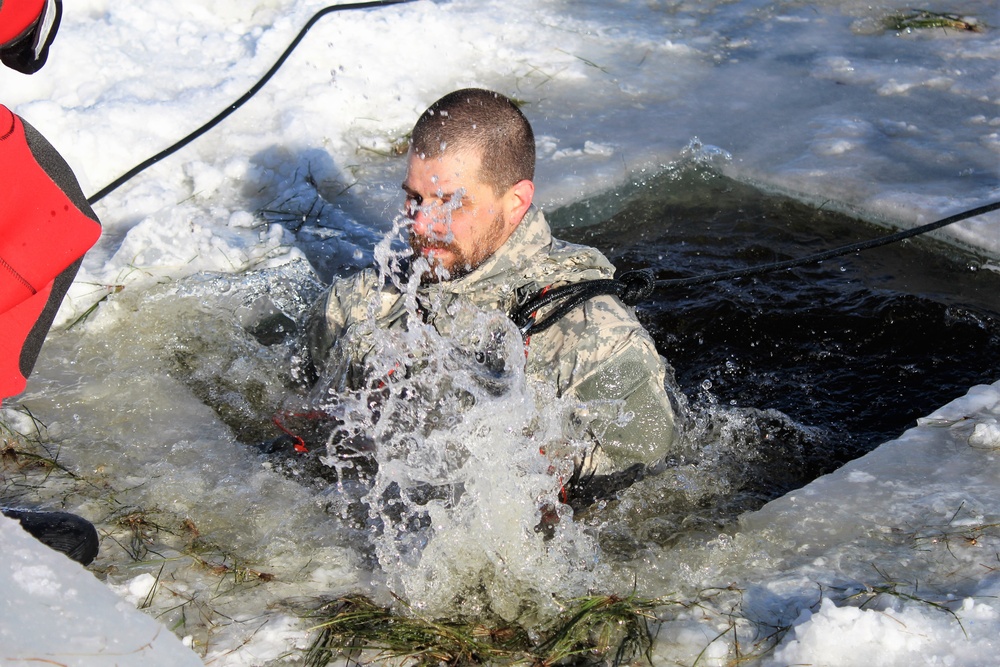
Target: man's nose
429,222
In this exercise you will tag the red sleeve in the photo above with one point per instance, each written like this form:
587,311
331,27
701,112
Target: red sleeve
41,231
16,16
43,236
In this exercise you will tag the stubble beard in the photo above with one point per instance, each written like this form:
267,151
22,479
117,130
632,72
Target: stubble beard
459,263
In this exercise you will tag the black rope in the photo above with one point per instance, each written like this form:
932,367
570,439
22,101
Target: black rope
829,254
111,187
635,286
631,287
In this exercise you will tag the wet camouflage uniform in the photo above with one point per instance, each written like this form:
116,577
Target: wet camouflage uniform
597,352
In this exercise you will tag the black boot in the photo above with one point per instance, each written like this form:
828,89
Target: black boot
72,535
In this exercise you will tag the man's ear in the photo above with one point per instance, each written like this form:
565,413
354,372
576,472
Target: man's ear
517,201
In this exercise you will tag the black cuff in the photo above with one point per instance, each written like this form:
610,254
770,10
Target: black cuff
28,53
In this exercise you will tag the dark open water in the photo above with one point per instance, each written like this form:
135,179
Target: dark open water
853,350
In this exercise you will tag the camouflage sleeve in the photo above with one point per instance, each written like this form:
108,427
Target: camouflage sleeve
607,360
330,315
351,306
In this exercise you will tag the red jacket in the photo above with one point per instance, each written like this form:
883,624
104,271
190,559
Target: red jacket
46,226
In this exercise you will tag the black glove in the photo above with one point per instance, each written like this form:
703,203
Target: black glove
71,534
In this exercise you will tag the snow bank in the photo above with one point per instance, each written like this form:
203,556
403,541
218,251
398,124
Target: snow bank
53,611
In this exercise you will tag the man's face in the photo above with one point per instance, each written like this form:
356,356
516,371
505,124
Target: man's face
457,220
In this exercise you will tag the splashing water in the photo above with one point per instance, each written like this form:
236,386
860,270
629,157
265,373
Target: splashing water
458,437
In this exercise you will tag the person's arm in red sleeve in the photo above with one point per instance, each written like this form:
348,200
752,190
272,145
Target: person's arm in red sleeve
46,225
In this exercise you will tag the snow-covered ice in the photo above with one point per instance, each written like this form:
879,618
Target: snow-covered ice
56,612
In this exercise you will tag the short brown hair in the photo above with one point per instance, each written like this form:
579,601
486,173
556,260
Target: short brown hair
484,121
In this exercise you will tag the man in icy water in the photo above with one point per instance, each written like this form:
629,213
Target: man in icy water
479,245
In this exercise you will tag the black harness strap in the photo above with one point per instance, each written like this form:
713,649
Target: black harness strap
631,287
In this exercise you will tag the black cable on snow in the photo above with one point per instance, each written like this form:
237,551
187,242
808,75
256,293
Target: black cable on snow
131,173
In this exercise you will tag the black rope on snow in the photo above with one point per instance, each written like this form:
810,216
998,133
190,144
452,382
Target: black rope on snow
115,184
635,286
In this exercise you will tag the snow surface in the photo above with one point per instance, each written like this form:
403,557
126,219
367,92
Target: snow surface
806,98
55,612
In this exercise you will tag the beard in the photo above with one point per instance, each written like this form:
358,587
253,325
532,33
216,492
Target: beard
448,261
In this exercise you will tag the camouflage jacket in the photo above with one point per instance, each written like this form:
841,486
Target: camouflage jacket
598,353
